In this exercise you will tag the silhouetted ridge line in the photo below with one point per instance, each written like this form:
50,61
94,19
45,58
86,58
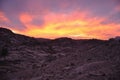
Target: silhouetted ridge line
5,30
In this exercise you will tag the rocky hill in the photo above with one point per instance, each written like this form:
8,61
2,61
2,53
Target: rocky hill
27,58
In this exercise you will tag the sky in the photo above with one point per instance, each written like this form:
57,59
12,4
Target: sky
78,19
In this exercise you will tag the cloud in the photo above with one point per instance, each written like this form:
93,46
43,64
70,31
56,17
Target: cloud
58,18
3,18
25,18
75,24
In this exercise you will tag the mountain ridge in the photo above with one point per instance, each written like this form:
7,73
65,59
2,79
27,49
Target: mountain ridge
64,58
8,31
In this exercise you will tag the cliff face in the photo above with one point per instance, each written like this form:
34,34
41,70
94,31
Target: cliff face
60,59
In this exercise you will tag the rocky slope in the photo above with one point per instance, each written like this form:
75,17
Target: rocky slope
60,59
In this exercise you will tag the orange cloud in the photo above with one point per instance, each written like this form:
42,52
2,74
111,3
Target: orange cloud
74,25
3,18
25,18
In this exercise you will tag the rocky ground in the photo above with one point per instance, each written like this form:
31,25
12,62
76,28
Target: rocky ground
60,59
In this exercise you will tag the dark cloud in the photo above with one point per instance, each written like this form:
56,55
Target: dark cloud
40,6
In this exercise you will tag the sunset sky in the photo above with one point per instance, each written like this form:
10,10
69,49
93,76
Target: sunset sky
62,18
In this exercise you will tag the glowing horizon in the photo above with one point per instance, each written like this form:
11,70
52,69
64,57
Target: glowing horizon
68,18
